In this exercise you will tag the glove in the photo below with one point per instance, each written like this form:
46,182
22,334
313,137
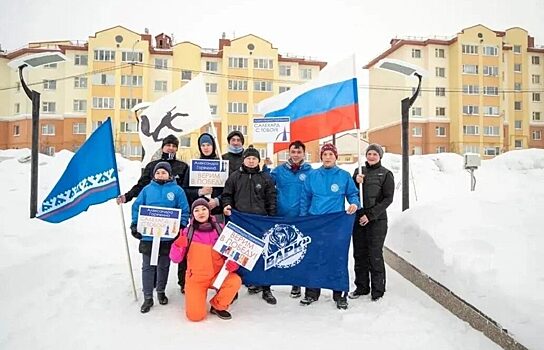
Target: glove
231,266
134,232
182,242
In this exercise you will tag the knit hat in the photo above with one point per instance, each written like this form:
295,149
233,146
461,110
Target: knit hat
205,138
235,133
375,147
251,151
328,147
163,165
170,139
199,201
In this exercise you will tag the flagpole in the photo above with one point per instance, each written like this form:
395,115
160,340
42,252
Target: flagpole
128,252
358,127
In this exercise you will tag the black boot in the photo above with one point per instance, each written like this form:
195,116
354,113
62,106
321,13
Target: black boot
342,303
163,300
358,292
295,292
307,300
146,306
254,289
269,298
376,296
222,314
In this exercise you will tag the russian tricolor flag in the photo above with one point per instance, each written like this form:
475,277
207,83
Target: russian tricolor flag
319,108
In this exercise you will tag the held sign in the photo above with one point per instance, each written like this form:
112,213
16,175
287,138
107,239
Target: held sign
269,130
240,246
208,172
158,222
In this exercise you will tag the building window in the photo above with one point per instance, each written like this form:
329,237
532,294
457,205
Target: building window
130,56
471,89
492,71
416,150
96,124
16,130
471,110
439,53
49,84
517,105
491,110
470,68
285,71
440,111
211,88
518,144
238,85
537,135
517,86
161,85
80,82
129,127
470,49
305,73
237,107
81,60
128,103
472,149
17,86
517,67
535,59
517,49
49,107
491,90
213,109
263,63
104,79
536,117
49,150
491,51
211,66
284,88
79,128
262,85
414,89
237,62
50,66
440,72
104,55
417,131
240,128
103,103
80,105
416,111
491,151
440,149
131,80
17,108
535,78
135,150
440,91
471,130
48,129
536,97
518,124
186,75
416,53
491,130
440,131
161,63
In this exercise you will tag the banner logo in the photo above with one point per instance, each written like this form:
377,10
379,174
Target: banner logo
285,246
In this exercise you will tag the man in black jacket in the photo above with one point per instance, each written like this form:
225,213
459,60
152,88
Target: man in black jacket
250,190
370,226
180,173
236,149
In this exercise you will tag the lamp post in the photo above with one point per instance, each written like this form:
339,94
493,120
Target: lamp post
405,69
129,105
33,61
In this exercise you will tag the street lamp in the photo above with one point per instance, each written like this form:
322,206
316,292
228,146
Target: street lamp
405,69
33,61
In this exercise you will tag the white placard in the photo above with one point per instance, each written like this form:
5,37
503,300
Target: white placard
158,222
208,173
273,129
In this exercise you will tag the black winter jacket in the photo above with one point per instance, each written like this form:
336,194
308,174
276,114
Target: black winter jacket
249,190
235,161
378,190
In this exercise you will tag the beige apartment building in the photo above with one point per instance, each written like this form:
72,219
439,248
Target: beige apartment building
483,93
118,68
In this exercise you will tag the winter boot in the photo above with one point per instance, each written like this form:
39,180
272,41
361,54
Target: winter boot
163,300
254,289
307,300
376,296
146,306
269,298
358,292
295,292
222,314
342,303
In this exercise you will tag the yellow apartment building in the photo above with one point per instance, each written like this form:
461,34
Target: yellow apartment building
483,93
118,68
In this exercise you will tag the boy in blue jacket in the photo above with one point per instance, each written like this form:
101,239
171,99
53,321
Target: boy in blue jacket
164,192
325,191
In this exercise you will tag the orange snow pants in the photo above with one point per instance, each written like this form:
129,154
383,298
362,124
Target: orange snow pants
203,265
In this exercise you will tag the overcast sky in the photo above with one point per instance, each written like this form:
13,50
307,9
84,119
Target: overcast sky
327,30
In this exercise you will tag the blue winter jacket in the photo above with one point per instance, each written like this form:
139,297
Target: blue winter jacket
289,188
325,190
167,195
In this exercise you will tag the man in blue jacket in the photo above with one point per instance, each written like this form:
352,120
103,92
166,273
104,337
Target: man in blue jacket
325,191
290,177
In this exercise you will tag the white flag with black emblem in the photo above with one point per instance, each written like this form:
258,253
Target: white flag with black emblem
178,113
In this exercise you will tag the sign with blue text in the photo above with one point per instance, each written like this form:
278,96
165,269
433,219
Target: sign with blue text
158,223
240,246
208,172
269,130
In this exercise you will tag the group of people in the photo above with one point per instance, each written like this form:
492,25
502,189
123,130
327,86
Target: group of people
291,189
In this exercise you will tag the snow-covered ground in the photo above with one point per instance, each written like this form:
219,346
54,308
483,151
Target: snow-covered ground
67,285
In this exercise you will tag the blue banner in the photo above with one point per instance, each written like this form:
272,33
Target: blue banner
90,178
307,251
